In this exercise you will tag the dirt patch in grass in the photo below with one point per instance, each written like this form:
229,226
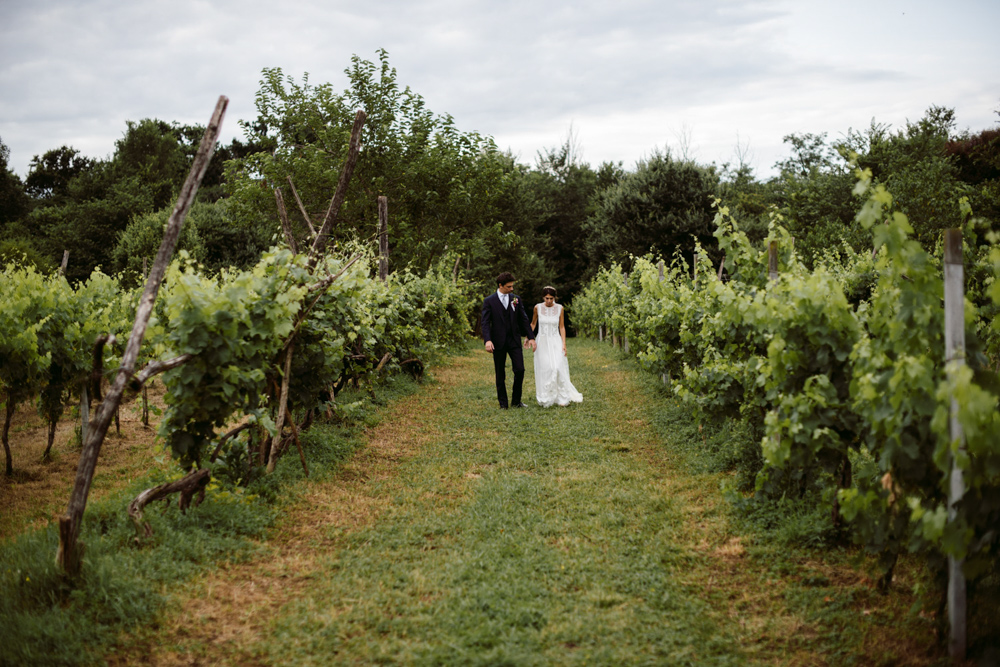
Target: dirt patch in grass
38,491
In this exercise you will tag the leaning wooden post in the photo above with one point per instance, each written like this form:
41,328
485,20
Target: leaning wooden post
65,263
323,233
383,239
145,392
954,343
694,268
660,268
69,556
772,261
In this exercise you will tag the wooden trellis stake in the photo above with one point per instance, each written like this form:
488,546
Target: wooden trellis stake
70,554
954,343
383,239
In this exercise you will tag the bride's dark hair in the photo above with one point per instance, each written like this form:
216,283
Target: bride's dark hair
549,290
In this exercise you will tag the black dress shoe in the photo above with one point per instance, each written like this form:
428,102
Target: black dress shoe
520,405
504,407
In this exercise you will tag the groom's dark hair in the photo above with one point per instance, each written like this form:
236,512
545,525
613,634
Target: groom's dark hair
505,277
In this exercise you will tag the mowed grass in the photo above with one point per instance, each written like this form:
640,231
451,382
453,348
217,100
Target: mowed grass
535,536
595,534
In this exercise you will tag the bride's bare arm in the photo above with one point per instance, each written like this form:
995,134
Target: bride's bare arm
534,317
562,329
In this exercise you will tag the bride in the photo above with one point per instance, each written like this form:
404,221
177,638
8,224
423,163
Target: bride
552,385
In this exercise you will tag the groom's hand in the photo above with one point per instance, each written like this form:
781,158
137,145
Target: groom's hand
489,346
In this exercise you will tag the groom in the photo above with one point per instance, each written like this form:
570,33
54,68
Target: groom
504,321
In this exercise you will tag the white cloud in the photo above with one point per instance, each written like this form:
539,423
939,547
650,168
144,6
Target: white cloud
628,75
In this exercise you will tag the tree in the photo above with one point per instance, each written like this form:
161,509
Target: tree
663,207
49,176
449,191
561,190
13,201
813,194
913,164
84,205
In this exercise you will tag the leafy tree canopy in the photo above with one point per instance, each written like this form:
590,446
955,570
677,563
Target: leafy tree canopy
449,191
663,207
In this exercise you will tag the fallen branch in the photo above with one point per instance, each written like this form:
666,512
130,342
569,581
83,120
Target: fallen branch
187,486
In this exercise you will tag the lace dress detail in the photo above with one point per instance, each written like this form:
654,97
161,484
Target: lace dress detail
552,383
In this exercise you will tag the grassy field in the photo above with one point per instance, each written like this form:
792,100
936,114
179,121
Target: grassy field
447,531
463,534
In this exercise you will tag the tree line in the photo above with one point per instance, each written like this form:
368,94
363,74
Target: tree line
454,195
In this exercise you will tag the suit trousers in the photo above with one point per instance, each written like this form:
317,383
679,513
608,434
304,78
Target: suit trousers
500,354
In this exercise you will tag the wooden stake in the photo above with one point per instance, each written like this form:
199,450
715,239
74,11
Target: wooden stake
69,556
772,261
383,238
65,263
272,458
954,343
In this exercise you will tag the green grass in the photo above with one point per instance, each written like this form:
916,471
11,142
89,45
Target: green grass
596,534
48,619
533,536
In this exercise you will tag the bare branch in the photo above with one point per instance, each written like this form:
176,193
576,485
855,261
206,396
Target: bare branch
187,486
323,235
226,437
295,193
286,226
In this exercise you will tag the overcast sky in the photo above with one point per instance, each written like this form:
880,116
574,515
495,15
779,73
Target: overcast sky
629,76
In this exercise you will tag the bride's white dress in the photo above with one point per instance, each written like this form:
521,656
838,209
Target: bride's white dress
552,385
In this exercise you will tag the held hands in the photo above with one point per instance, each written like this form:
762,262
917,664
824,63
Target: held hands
530,343
489,346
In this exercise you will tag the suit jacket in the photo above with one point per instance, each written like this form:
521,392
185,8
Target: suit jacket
498,323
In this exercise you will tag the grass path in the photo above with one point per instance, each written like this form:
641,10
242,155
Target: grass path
463,534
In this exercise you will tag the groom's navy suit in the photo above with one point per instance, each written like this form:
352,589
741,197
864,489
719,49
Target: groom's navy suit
504,327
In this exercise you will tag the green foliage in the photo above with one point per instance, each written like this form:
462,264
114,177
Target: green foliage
234,327
449,191
662,207
13,200
209,234
836,367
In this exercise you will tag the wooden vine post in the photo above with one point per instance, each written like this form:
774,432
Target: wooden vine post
317,250
65,263
70,554
383,238
772,261
954,343
624,334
